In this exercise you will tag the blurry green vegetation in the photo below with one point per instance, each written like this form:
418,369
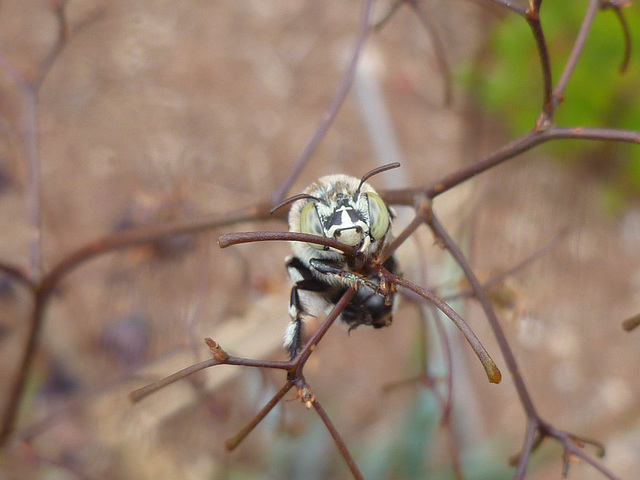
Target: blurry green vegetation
509,85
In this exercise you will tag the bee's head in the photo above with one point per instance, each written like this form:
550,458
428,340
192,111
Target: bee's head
343,209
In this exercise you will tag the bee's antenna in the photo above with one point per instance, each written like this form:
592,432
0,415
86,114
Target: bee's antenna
375,171
289,200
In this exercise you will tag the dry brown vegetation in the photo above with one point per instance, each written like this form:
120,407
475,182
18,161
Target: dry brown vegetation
134,134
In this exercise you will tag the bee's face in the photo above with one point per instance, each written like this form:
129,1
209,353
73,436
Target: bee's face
357,218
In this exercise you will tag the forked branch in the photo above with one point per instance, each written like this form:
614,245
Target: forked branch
535,425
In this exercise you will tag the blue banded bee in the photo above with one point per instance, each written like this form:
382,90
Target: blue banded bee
350,211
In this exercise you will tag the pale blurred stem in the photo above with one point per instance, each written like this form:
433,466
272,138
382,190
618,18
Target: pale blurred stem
334,107
496,279
425,17
34,189
446,348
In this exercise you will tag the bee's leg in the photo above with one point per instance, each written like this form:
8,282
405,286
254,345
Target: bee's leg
355,280
304,281
295,329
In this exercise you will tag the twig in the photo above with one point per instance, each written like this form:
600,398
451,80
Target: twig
234,441
342,447
45,287
229,239
505,153
334,107
576,51
490,368
616,6
532,16
505,348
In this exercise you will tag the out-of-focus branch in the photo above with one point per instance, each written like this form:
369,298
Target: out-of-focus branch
334,107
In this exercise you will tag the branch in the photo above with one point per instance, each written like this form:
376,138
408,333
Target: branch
576,51
45,287
490,368
508,152
342,447
532,16
229,239
616,6
334,107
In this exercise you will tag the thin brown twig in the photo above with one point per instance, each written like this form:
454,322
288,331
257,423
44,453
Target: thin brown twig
233,442
568,442
503,343
574,56
505,153
229,239
533,19
496,279
19,274
334,107
424,16
337,439
616,6
31,92
490,368
45,287
535,424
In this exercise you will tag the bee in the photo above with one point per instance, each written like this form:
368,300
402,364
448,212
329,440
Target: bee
349,210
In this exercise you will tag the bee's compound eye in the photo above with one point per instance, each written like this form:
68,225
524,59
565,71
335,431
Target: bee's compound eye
310,223
378,216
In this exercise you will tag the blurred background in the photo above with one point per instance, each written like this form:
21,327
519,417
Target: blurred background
155,111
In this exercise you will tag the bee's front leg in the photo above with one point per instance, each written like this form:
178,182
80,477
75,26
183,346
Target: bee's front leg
345,276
